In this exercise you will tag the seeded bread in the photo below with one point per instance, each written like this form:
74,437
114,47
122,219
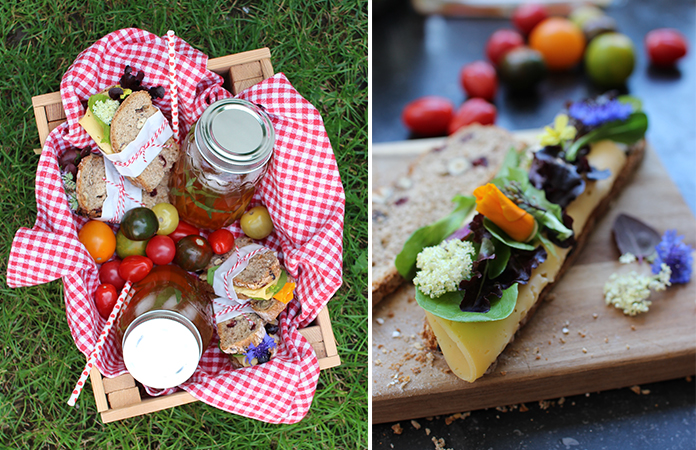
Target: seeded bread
91,188
238,333
125,126
468,159
262,270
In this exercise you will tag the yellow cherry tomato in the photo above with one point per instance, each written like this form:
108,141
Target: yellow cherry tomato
167,216
256,223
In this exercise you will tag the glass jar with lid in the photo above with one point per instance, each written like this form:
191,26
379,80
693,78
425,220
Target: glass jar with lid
166,327
224,157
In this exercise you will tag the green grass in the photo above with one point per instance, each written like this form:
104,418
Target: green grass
322,48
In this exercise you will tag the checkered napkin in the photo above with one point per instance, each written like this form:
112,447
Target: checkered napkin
302,191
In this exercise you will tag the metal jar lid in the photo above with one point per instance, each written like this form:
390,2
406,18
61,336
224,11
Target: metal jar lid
235,136
162,348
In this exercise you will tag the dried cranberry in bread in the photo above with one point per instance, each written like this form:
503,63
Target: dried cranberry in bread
238,333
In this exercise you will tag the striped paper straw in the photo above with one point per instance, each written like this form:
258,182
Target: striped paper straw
173,91
121,303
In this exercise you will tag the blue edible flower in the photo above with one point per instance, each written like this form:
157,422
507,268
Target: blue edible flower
261,351
596,114
676,254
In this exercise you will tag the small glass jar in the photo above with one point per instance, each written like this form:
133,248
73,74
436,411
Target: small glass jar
224,157
166,327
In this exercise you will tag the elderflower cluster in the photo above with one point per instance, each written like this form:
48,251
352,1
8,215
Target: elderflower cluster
105,110
443,267
630,292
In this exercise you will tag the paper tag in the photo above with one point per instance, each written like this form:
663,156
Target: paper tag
227,305
138,154
121,195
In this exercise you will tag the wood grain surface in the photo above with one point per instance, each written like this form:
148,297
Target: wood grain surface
574,344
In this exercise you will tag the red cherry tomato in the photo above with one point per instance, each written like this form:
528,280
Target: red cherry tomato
161,250
479,80
222,241
134,268
527,16
428,116
501,42
475,110
108,274
182,230
105,298
665,46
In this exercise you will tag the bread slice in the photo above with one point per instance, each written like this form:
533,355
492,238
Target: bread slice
91,188
269,309
125,126
468,159
238,333
262,270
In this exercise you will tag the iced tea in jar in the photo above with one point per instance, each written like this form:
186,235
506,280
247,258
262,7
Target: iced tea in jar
225,155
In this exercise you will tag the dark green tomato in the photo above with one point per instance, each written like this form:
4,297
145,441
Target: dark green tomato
139,224
522,68
193,253
127,247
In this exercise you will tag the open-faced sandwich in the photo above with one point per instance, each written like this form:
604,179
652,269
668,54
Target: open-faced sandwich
481,271
263,288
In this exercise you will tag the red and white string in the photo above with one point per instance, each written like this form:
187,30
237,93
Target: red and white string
122,195
173,91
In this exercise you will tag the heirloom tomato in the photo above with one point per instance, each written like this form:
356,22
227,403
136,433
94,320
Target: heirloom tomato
139,224
98,239
183,229
108,274
167,217
105,298
222,241
428,116
127,247
256,223
135,268
161,250
193,253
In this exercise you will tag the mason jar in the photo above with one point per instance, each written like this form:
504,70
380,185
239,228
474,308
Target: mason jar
166,327
224,157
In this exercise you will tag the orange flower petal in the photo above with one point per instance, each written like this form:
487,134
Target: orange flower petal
503,212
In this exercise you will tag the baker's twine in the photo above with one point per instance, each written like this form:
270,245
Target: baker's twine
122,195
173,90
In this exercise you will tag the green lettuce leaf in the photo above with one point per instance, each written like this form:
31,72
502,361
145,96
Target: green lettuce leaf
625,132
447,306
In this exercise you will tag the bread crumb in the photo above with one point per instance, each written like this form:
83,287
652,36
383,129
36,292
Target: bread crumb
503,372
427,431
397,428
415,370
628,347
396,333
390,314
565,330
538,357
645,391
439,444
636,389
449,420
633,328
688,379
606,340
380,321
595,315
561,400
581,334
416,425
523,408
550,297
584,350
562,340
378,362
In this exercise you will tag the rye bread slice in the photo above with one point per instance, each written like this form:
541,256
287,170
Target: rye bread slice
238,333
125,126
468,159
635,155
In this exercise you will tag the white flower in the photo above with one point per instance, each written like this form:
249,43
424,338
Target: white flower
443,267
105,110
630,292
627,258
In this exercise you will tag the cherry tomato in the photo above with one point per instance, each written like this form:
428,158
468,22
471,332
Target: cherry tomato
108,274
501,42
183,229
135,268
98,239
472,111
222,241
105,298
161,250
560,41
193,253
527,16
167,216
665,46
428,116
139,224
256,223
479,80
126,247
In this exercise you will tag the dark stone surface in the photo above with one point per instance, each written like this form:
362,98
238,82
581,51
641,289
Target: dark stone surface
414,56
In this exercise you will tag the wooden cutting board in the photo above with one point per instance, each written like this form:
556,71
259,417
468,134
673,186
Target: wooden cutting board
574,344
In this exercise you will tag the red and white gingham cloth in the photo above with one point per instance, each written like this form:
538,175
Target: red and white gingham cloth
302,191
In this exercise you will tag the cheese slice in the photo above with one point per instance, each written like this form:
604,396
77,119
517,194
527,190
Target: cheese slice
470,348
261,293
95,131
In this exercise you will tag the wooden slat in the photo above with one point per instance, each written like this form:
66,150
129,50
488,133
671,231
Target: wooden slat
239,86
324,322
246,71
222,65
55,112
124,397
98,390
147,406
602,348
118,383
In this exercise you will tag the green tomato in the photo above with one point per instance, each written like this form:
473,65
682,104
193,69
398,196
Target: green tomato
256,223
167,216
609,59
128,247
139,224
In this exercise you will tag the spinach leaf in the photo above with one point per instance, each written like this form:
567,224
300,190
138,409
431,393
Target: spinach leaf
626,132
447,306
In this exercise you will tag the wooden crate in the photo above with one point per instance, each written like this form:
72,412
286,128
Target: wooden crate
121,397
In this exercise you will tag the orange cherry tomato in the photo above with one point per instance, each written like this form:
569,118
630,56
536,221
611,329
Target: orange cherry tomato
560,41
98,239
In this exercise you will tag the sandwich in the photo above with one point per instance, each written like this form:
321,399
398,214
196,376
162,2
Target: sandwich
124,114
483,270
265,288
